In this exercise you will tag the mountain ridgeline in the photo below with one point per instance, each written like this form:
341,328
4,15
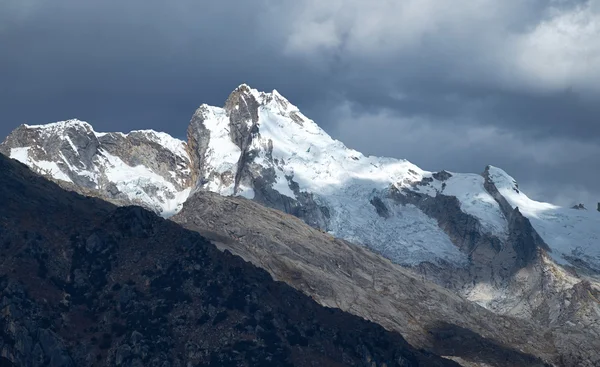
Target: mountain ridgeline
476,235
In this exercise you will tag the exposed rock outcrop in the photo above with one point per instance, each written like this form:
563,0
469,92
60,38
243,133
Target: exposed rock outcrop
25,335
197,144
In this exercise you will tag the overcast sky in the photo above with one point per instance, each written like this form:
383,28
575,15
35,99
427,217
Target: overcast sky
450,85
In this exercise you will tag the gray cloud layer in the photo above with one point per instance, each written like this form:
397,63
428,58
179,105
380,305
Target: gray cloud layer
454,85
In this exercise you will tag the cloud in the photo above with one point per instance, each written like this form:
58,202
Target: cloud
414,134
562,51
559,168
449,85
545,46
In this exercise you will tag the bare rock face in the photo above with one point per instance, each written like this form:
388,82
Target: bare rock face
242,109
198,139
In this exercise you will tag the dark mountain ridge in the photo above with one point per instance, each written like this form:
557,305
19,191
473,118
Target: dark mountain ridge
87,284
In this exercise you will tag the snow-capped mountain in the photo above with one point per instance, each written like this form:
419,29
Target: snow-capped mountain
493,240
146,167
262,147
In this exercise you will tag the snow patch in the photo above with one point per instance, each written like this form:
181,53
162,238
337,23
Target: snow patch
21,155
246,192
51,169
282,186
68,139
41,167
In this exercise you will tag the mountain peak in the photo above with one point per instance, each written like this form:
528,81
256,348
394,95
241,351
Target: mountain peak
243,87
62,126
244,90
242,103
262,98
501,179
260,146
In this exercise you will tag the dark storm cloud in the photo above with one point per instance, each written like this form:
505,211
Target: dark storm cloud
565,113
454,86
146,64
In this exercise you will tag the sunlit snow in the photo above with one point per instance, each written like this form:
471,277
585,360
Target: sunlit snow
21,154
474,200
139,183
567,231
340,178
42,167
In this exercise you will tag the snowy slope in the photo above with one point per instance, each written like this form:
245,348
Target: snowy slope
474,199
141,185
341,179
43,167
71,151
570,233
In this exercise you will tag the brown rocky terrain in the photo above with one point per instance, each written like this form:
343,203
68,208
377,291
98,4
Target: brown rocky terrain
339,274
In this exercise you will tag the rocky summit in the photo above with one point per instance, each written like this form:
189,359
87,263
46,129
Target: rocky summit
477,235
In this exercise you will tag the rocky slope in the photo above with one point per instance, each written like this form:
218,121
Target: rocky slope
475,234
339,274
84,283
